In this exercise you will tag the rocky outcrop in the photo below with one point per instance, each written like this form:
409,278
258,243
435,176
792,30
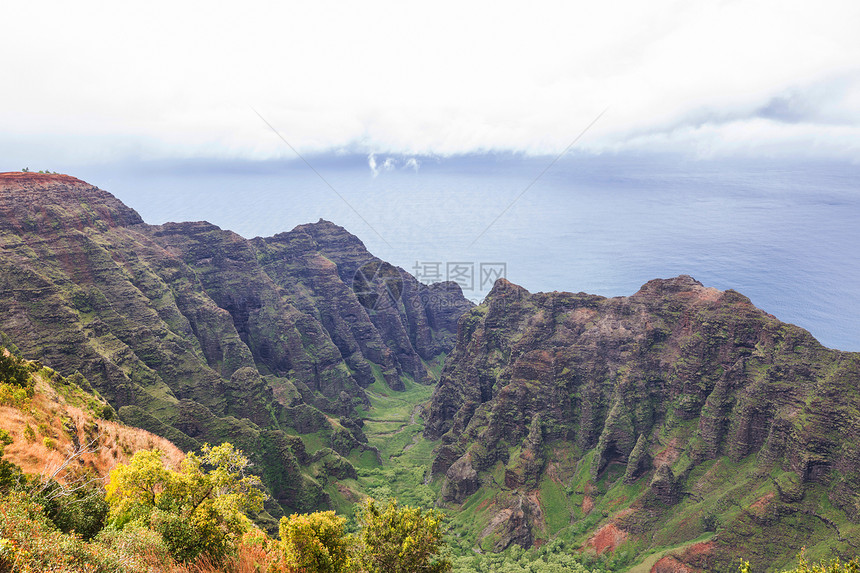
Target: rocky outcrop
461,480
512,523
653,384
283,340
377,315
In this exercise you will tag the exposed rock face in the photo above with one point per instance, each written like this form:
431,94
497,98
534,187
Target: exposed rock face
325,262
619,377
283,341
200,335
511,524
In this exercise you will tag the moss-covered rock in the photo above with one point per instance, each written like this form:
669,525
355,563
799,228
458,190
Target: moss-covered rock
657,393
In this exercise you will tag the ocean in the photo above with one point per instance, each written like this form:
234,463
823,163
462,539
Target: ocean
783,232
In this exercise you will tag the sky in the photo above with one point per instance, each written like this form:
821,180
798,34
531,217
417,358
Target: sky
98,82
180,107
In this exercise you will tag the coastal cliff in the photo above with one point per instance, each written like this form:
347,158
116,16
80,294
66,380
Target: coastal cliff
677,412
199,335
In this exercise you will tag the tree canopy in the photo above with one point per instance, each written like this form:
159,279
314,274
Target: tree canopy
315,542
198,509
396,539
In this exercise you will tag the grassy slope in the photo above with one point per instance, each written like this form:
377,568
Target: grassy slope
741,497
393,424
737,498
44,427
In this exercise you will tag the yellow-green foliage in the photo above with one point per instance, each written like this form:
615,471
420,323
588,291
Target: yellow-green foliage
16,385
15,396
195,510
315,542
804,566
391,539
396,539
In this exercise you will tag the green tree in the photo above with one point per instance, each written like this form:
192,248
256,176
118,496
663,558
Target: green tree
12,370
396,539
196,510
804,566
9,472
315,542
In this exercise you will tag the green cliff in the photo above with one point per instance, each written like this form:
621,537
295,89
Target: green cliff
676,429
200,335
640,423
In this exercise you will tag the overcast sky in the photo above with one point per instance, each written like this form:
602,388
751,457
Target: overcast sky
104,81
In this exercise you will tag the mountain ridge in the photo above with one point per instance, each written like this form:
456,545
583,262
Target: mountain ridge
184,332
621,405
679,421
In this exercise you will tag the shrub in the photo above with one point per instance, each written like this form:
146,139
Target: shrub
81,509
15,396
9,472
804,566
315,542
196,511
36,545
12,370
396,539
138,548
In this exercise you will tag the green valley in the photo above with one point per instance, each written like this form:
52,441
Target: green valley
677,429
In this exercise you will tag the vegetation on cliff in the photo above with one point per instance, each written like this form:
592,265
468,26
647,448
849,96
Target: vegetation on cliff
199,335
676,429
632,425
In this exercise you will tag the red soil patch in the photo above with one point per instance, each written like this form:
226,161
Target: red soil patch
697,554
607,538
670,564
346,492
583,315
17,177
669,455
699,549
761,503
484,504
587,505
706,294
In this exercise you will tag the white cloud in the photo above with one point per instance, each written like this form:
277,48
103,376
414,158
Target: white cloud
413,164
371,162
92,80
391,164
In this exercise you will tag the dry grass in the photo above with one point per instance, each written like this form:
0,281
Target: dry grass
249,559
47,444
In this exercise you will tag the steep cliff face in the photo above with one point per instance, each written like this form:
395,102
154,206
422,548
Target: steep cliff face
628,402
287,344
394,322
197,334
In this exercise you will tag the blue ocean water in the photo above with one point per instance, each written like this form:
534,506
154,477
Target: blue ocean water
784,233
